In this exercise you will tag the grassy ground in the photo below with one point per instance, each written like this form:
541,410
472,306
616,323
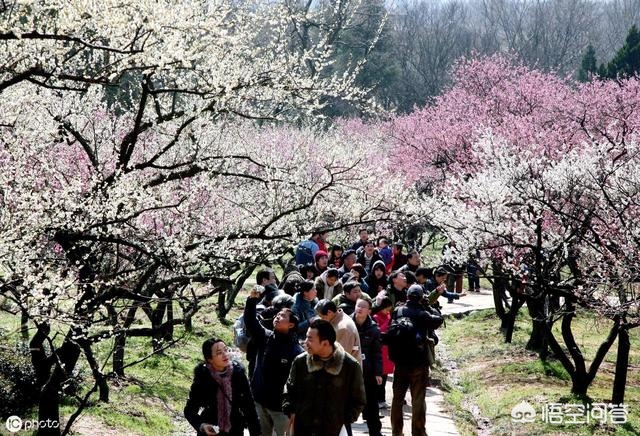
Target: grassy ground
492,377
150,399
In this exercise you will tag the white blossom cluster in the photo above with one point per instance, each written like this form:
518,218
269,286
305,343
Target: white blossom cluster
586,205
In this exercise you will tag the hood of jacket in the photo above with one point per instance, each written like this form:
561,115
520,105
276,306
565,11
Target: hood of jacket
380,264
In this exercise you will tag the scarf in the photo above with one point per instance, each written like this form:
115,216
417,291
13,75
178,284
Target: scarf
223,397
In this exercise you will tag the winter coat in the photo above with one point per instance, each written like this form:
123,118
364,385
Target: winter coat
399,260
425,320
326,291
348,306
342,302
305,311
395,295
203,396
276,352
324,395
270,292
376,284
383,320
375,257
371,347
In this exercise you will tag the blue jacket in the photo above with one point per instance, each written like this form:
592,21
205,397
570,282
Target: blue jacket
304,310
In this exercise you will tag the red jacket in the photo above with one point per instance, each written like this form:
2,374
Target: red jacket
383,320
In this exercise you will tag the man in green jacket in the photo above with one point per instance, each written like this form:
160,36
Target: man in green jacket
325,389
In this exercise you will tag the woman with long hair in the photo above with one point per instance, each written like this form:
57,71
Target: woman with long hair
220,401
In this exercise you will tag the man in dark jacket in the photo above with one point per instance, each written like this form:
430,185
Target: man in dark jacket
397,289
368,256
349,258
276,351
371,362
325,389
413,372
346,301
203,408
267,278
413,262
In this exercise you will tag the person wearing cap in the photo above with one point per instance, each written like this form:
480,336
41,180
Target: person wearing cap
413,374
321,263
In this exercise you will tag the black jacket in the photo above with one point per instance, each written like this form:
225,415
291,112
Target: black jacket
425,320
374,258
275,354
270,292
203,395
370,346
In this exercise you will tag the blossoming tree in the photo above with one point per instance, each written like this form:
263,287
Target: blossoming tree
134,181
526,163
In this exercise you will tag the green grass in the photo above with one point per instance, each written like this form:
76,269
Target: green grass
495,376
151,397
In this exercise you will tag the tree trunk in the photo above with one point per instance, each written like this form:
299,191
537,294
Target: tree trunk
579,378
516,304
24,325
120,342
101,380
537,337
622,364
168,334
158,334
49,403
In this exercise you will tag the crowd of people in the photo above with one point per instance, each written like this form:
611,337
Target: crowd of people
325,339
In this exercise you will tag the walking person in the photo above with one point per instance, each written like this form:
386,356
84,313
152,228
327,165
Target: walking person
276,351
220,401
325,388
411,362
381,314
371,363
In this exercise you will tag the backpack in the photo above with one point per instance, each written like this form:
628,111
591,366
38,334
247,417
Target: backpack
241,337
305,252
406,344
